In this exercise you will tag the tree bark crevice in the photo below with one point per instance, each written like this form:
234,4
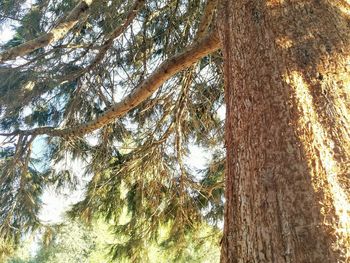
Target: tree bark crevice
287,132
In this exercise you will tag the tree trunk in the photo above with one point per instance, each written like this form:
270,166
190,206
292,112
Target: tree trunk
287,77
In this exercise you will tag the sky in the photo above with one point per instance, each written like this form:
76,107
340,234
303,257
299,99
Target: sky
6,34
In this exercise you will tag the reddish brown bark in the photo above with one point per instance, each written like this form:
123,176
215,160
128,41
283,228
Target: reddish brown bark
287,132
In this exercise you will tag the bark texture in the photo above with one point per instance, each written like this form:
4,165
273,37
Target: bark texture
287,75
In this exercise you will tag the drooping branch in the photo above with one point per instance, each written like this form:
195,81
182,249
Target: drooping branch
144,90
117,32
57,33
102,50
108,43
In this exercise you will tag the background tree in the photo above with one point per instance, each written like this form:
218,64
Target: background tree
76,243
71,242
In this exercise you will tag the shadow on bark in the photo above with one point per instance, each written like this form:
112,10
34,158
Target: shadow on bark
288,150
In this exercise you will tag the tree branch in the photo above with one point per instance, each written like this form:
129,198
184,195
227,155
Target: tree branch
109,42
102,50
116,32
144,90
57,33
207,18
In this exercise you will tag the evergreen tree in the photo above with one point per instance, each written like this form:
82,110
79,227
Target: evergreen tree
75,242
144,79
68,242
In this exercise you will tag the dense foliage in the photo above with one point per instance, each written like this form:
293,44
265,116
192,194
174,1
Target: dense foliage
138,163
74,242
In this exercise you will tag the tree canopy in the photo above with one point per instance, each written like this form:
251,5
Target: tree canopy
125,87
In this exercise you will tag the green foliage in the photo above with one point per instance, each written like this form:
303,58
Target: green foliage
21,186
139,181
149,204
71,242
75,242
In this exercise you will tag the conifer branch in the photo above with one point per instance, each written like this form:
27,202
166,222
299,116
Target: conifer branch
144,90
108,43
117,32
57,33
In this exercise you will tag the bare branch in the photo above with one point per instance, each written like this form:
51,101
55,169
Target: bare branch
143,91
58,32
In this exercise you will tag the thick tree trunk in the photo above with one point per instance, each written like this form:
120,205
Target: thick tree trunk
287,74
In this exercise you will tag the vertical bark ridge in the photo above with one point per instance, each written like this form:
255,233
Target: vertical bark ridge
287,131
322,148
